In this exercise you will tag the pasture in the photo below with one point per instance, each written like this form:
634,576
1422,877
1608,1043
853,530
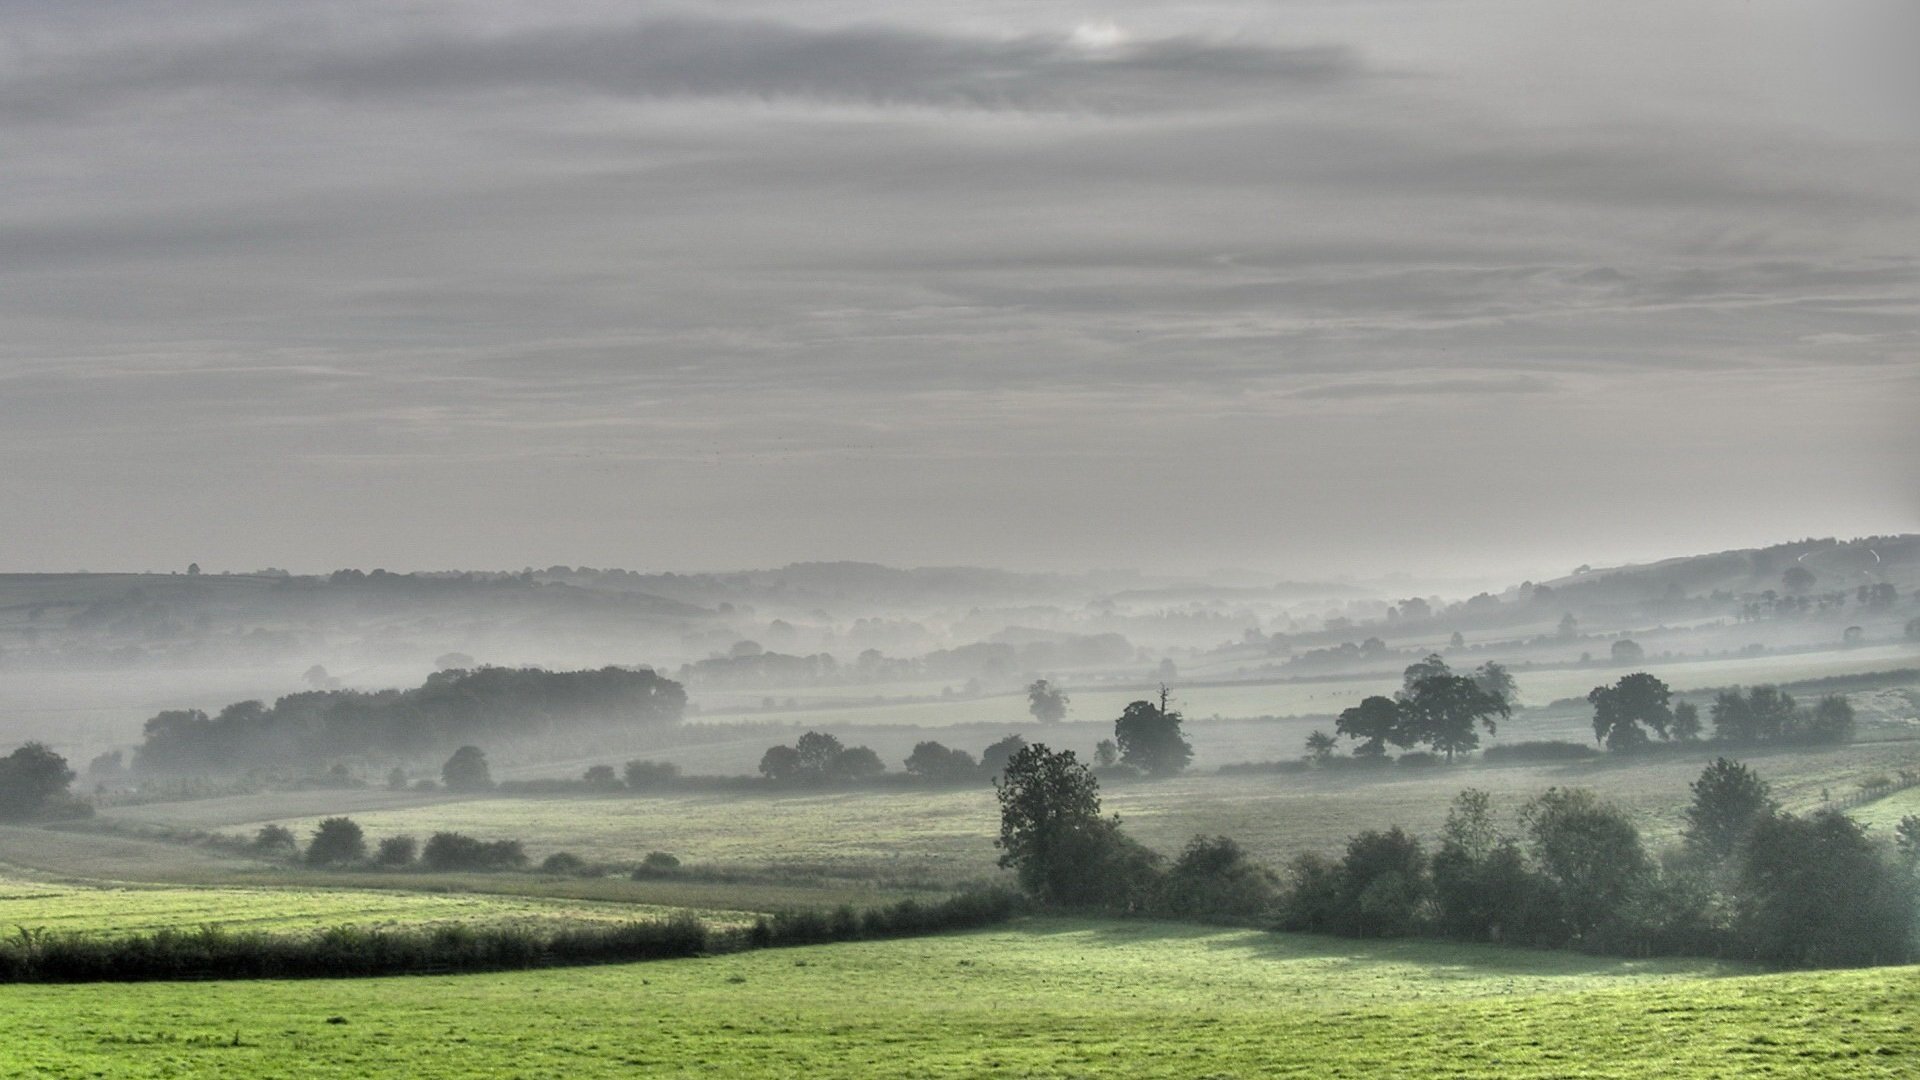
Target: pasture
1042,998
109,910
945,835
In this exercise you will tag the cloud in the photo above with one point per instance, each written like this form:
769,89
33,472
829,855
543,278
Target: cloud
682,57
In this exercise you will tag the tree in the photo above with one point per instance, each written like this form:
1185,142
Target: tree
1728,800
817,751
1149,739
467,770
994,759
934,761
1832,720
1686,721
457,851
1588,852
602,778
1457,641
1046,702
396,779
1052,835
1384,882
396,851
193,569
781,764
1106,754
1426,668
856,763
1320,746
641,774
1620,710
1913,628
1442,711
30,778
1481,885
1214,879
1797,580
1628,651
337,840
1373,723
275,840
1568,629
1814,891
1762,714
1495,679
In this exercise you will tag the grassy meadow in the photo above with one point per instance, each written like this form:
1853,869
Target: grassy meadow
944,835
1040,998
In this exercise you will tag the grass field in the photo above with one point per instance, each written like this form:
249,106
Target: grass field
109,911
1043,998
946,834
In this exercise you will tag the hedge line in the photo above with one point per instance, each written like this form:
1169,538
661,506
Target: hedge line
352,952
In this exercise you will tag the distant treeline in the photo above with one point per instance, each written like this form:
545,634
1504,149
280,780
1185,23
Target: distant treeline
451,707
750,667
351,952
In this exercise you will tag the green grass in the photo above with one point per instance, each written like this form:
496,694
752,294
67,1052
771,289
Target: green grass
112,911
1046,998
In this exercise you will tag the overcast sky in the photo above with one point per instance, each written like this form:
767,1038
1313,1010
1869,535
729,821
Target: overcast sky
1306,287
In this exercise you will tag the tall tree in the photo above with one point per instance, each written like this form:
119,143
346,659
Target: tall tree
466,770
1728,800
1620,710
1373,724
1589,852
30,777
1047,702
1149,738
1051,833
1443,711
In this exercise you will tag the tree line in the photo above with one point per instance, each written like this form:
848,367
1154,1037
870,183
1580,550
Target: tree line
1748,881
316,727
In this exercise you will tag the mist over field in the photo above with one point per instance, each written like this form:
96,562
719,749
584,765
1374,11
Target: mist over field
1248,538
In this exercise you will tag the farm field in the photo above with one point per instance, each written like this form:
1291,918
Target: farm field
108,911
1041,998
946,834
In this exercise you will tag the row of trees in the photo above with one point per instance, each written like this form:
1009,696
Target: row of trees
1434,708
340,842
1625,713
1748,881
312,728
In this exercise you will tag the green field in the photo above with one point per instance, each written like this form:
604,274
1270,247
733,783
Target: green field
1042,998
945,835
112,911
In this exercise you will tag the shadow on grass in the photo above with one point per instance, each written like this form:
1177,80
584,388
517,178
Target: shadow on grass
1441,959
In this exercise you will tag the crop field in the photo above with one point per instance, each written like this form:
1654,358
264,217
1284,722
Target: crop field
946,834
109,911
1042,998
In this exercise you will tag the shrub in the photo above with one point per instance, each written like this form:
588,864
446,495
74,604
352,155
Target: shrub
1214,879
563,862
336,841
602,778
456,851
1539,750
275,840
641,775
467,770
396,851
660,860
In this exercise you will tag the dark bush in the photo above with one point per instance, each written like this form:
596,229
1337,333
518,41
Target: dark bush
1542,750
395,851
456,851
335,842
1214,879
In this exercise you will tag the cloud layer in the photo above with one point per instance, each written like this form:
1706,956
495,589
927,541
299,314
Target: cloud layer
651,286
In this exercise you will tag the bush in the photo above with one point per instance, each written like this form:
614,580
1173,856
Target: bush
396,851
456,851
660,860
1214,879
562,862
641,775
337,841
602,778
275,840
1419,759
1541,750
965,911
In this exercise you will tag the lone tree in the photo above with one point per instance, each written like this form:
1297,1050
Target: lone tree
1149,738
935,761
781,763
817,751
1052,835
1620,710
337,840
30,778
1628,651
1047,702
467,770
1373,724
1442,709
1729,799
1320,746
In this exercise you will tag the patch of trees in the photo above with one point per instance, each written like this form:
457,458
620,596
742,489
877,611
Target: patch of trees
1064,853
451,707
1767,714
34,783
1434,708
340,843
1147,738
819,758
1748,881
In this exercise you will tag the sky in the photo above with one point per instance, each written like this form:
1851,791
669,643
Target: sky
1306,288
